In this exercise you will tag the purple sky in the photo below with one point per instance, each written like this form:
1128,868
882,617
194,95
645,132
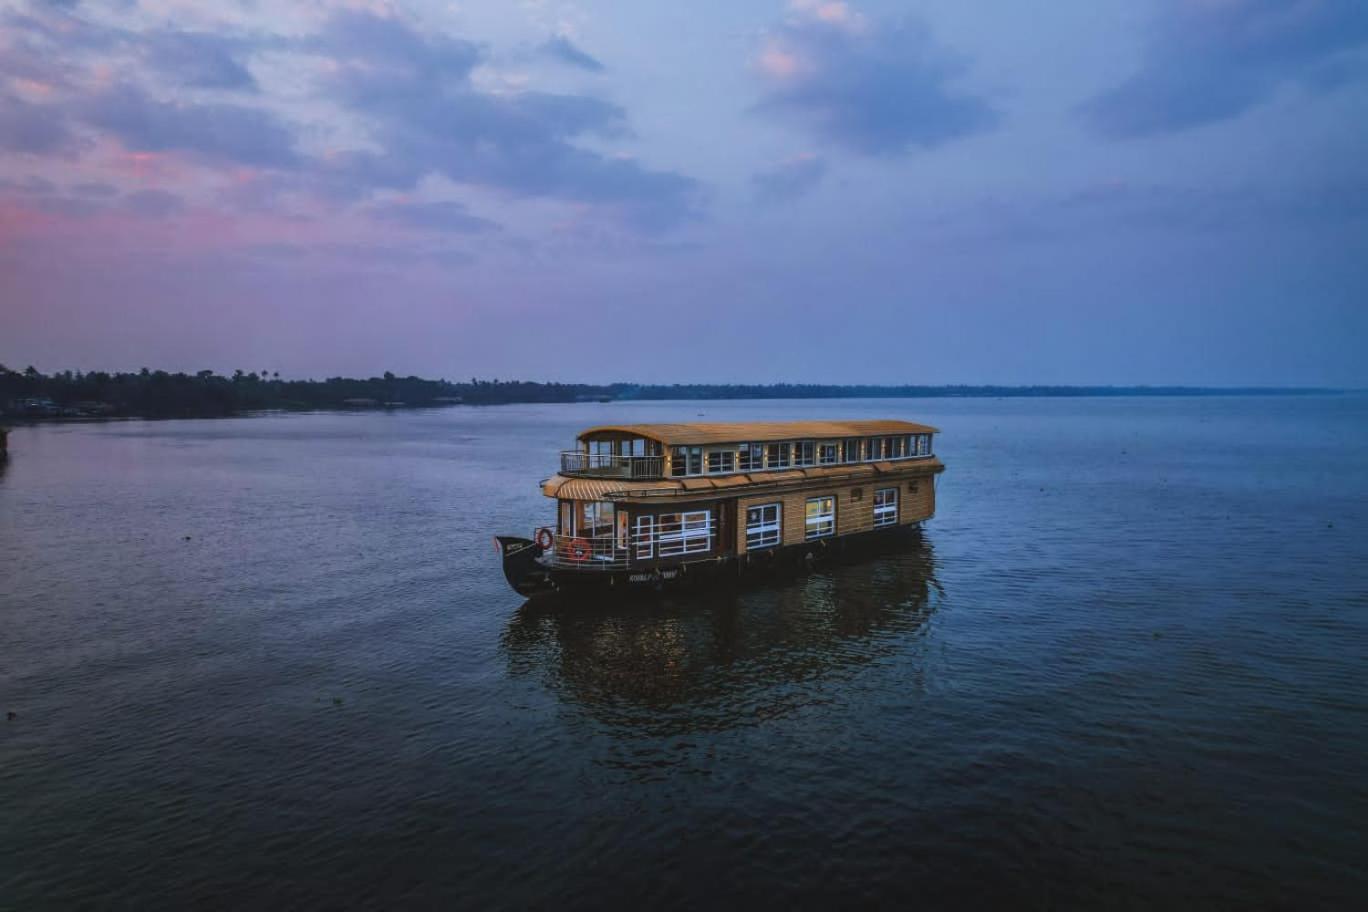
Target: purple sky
1079,191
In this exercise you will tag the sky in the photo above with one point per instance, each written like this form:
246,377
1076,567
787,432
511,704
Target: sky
1079,191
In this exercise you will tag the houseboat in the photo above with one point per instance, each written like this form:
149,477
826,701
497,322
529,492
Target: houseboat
648,505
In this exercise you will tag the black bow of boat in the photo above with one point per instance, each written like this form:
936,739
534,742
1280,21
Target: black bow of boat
521,565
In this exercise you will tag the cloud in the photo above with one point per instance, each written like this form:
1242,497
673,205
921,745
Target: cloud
36,194
95,189
201,60
89,199
876,88
56,29
36,129
153,203
1210,60
1328,209
451,217
395,104
426,115
562,49
223,133
387,46
354,255
29,186
790,179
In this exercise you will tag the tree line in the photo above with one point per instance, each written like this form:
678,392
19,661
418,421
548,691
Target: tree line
162,394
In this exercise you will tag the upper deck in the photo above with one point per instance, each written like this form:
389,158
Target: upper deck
665,451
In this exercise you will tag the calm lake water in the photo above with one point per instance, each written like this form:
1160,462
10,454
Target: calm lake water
272,661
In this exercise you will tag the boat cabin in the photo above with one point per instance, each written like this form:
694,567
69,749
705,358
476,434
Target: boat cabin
651,496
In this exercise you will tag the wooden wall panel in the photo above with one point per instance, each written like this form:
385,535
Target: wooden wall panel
918,505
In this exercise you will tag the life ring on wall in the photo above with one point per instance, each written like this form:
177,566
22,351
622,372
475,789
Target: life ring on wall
545,538
579,549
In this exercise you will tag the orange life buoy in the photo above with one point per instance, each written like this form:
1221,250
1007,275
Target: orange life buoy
579,549
545,538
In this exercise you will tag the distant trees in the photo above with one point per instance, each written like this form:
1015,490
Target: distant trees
159,394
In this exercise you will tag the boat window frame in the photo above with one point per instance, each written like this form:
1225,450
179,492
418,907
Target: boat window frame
813,525
643,536
885,514
765,528
684,541
589,529
687,462
729,456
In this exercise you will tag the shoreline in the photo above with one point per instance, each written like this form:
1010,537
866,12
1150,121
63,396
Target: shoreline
15,421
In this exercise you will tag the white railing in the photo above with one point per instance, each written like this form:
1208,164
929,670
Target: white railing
687,534
607,465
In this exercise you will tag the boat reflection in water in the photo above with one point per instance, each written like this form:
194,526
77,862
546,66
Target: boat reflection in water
670,668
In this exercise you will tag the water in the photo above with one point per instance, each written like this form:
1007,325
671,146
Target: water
273,661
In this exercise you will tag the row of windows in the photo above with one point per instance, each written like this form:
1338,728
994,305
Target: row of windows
751,457
635,446
673,534
665,534
764,522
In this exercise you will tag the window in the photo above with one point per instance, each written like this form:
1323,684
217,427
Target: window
924,444
821,517
875,449
893,447
751,457
804,453
684,533
721,460
762,526
595,519
687,461
777,456
826,453
851,445
645,536
886,507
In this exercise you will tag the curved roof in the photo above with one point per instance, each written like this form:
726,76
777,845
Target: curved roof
748,431
706,487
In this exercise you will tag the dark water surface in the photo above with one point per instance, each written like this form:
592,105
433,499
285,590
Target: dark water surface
272,661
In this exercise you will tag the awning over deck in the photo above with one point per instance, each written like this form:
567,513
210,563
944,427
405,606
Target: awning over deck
598,488
708,487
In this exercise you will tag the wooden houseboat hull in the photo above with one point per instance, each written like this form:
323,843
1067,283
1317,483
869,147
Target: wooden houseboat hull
531,579
650,507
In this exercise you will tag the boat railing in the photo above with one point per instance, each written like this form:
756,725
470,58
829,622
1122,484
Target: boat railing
681,537
608,465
